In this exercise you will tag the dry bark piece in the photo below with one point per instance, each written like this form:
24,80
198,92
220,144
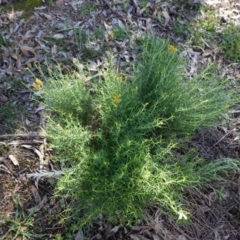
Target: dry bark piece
3,99
14,160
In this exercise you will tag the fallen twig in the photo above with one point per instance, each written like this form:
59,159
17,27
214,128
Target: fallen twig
233,130
22,142
42,173
22,136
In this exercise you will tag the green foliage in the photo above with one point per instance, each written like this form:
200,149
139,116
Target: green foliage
72,137
122,155
181,105
80,37
98,32
119,33
230,42
4,41
209,20
20,225
8,114
88,8
187,4
60,42
181,28
200,29
66,94
25,5
91,53
143,3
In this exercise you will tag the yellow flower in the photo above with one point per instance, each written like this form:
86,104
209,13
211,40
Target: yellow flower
38,84
171,48
117,99
119,78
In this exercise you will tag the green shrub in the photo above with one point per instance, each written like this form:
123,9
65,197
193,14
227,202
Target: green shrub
123,159
230,42
68,97
182,105
70,140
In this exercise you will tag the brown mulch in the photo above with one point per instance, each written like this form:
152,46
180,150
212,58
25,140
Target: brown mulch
46,37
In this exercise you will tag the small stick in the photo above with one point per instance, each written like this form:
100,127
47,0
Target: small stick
234,129
21,136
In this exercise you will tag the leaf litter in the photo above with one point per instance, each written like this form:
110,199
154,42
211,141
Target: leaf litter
48,36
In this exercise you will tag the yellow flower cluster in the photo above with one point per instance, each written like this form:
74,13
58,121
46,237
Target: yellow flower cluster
117,99
171,48
119,78
38,84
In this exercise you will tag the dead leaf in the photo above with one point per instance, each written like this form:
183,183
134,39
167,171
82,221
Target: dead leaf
115,229
155,237
138,237
92,66
136,228
39,206
14,160
224,129
11,69
121,24
75,4
35,151
134,237
54,49
40,108
107,27
35,194
149,24
136,6
98,236
33,59
167,17
181,237
3,99
142,237
28,36
49,17
79,235
27,122
14,15
25,50
40,8
236,138
58,36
